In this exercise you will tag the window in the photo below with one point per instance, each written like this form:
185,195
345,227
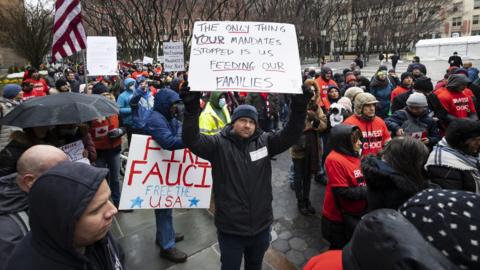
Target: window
457,21
186,32
476,33
476,4
475,19
186,21
175,32
162,31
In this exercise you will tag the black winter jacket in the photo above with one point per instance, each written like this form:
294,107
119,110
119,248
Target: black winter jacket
386,188
396,120
384,239
241,169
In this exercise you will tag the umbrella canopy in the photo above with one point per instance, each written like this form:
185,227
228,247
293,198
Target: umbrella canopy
58,109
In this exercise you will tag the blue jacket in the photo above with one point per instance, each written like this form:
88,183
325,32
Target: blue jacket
123,102
165,129
473,74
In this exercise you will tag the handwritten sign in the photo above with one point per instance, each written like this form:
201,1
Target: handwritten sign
245,57
147,60
102,56
158,178
173,56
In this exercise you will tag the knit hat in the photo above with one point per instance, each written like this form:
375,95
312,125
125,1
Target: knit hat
460,130
346,103
405,75
416,66
245,110
350,77
363,99
449,220
11,90
382,68
59,83
423,84
332,86
326,70
128,82
352,92
417,100
99,88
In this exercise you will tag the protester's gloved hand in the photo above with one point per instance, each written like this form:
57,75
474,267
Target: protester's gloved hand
116,133
139,92
191,99
303,99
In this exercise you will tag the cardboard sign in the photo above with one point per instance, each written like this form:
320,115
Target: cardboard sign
173,56
147,60
74,151
158,178
102,56
245,57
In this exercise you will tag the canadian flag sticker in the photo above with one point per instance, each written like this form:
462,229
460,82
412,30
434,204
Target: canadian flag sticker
101,131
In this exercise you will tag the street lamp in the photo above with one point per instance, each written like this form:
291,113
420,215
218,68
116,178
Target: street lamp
396,35
323,34
365,38
302,47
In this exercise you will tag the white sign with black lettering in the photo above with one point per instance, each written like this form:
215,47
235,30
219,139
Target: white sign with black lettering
245,57
173,56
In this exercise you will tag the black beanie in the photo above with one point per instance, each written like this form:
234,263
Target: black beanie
405,75
245,110
99,89
460,130
60,83
423,84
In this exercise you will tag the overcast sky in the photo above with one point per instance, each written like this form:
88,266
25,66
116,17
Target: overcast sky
48,2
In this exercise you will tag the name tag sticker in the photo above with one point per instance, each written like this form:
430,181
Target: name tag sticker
259,154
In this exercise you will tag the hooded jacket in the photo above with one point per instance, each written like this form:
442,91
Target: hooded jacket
57,200
123,102
165,129
345,191
384,239
381,90
241,168
386,187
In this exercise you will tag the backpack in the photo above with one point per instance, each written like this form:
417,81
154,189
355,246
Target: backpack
414,128
21,219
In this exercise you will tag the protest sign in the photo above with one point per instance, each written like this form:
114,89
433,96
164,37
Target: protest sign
245,57
147,60
173,56
74,151
158,178
101,56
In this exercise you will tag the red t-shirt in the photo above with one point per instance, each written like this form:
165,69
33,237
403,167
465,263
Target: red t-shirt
342,171
458,104
397,91
323,85
329,260
375,133
40,88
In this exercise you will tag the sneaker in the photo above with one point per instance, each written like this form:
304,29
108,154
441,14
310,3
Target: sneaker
173,255
320,178
302,208
310,209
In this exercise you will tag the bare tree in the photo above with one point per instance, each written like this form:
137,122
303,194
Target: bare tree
27,29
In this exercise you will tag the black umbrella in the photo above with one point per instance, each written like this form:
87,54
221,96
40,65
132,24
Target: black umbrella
58,109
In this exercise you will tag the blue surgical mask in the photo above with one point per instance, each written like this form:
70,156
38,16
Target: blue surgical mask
222,102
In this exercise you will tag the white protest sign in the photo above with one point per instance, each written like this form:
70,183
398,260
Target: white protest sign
158,178
74,151
173,56
245,57
147,60
102,56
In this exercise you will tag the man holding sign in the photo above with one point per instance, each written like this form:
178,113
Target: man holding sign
241,170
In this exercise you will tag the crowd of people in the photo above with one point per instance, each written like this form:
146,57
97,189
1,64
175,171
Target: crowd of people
397,154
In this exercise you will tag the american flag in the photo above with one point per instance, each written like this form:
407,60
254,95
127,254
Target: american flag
68,32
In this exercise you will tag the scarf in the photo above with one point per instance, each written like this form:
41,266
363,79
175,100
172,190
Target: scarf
445,156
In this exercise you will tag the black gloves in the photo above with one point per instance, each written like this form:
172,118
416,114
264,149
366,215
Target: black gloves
116,133
303,99
190,99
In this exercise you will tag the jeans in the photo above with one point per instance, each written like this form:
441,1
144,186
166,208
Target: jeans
291,174
302,177
252,248
110,159
165,232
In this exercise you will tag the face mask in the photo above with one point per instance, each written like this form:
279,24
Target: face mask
222,102
68,131
178,111
132,87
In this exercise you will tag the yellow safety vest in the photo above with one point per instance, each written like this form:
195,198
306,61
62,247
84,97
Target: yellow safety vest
210,123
